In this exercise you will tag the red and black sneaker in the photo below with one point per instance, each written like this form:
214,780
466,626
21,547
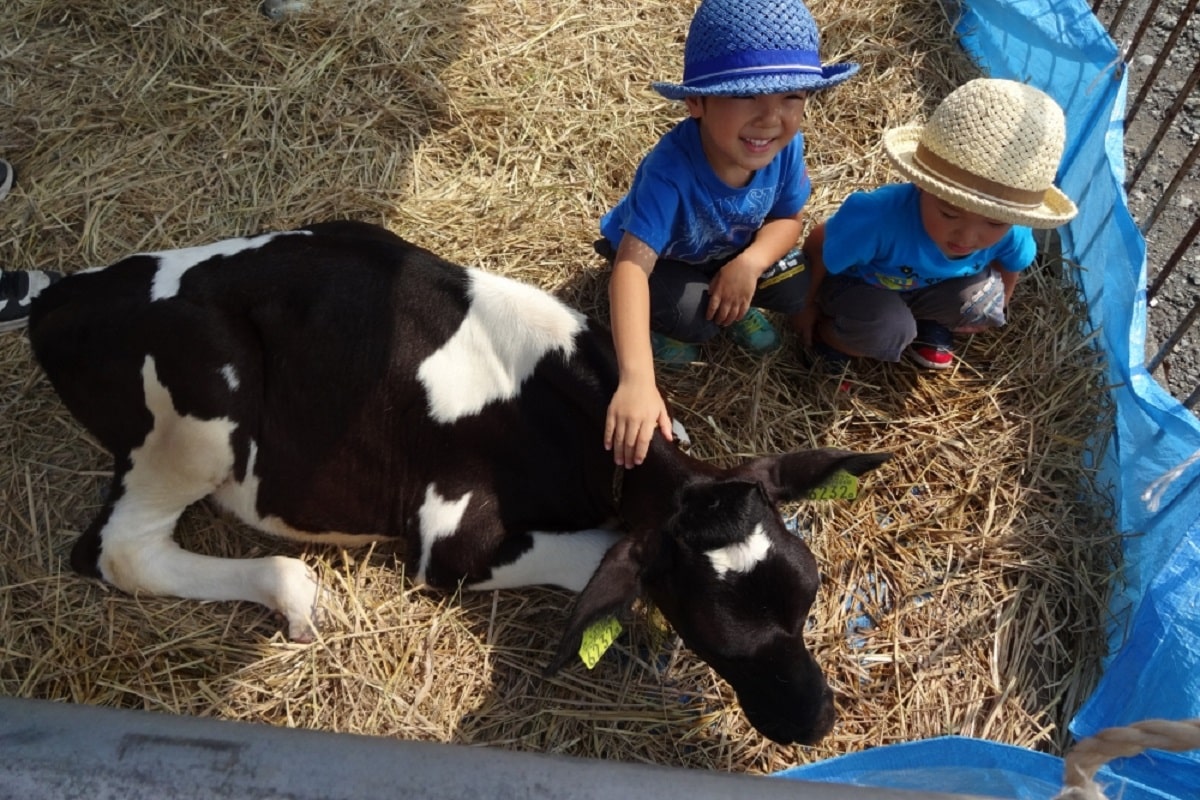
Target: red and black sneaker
934,346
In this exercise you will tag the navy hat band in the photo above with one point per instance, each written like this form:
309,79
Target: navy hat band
750,63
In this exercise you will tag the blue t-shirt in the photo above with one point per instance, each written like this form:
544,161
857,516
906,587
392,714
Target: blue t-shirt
680,208
878,237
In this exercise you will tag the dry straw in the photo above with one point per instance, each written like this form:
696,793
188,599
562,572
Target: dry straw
964,591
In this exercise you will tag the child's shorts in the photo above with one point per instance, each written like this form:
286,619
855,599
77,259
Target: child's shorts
880,323
679,292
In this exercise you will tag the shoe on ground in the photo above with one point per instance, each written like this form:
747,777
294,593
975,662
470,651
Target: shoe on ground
934,346
670,352
755,333
17,290
7,176
826,357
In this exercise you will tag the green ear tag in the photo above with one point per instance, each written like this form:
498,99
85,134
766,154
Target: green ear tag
842,486
597,638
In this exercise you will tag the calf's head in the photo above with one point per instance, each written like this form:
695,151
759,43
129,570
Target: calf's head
736,585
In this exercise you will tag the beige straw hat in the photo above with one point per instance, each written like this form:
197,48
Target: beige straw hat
991,147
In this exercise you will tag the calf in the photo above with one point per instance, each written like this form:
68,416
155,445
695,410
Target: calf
337,384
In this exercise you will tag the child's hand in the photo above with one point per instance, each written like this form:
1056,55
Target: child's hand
730,292
806,322
967,329
634,412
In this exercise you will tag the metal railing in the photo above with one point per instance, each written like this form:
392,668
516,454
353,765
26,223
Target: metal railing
1153,36
63,751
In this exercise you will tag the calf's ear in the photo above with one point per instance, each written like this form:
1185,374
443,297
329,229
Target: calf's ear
789,477
613,588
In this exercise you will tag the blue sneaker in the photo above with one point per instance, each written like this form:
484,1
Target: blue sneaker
755,333
671,352
830,354
827,358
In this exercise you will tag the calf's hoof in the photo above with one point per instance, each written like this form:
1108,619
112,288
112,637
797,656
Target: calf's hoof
295,593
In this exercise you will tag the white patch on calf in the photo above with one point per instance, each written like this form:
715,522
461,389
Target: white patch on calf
681,434
741,557
439,518
229,373
172,264
509,328
557,559
182,460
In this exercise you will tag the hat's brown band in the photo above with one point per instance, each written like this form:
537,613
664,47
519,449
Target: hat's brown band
942,168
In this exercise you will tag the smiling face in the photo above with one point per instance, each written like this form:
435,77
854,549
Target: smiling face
742,134
958,232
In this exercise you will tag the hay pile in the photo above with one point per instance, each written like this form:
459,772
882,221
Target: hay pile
963,592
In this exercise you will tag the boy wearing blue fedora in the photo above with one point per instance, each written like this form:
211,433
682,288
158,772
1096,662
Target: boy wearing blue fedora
709,227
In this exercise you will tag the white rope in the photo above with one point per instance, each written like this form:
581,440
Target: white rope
1153,495
1088,756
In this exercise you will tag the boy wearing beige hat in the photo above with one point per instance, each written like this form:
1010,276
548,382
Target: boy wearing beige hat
901,269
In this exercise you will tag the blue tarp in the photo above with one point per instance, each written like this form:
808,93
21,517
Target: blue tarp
957,764
1151,460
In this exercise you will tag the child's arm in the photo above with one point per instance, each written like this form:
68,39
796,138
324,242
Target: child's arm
1009,279
636,408
733,287
814,254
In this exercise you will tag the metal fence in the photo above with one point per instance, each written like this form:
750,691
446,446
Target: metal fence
1160,46
62,751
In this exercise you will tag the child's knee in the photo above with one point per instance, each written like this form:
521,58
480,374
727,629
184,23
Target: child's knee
883,338
685,324
784,286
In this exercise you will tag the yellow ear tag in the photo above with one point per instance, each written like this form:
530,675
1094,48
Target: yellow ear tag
842,486
597,639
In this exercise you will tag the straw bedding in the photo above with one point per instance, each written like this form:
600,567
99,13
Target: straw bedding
963,591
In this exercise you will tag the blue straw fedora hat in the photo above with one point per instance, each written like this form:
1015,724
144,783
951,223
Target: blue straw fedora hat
750,47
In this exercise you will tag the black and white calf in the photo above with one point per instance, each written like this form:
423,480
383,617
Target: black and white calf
337,384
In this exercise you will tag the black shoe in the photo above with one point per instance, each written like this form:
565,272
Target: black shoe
17,290
7,177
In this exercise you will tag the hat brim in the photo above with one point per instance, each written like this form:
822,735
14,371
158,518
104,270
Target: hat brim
901,143
831,75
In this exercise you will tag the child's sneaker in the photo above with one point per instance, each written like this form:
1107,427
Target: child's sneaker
834,359
671,352
934,346
755,333
826,358
7,176
17,290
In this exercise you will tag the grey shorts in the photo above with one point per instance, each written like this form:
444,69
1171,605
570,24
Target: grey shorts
880,323
679,292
